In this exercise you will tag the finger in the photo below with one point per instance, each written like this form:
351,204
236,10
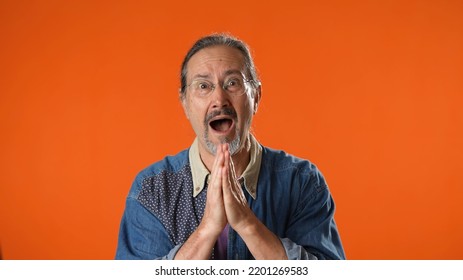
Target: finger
231,175
232,172
230,187
218,168
214,165
225,170
226,180
216,176
218,157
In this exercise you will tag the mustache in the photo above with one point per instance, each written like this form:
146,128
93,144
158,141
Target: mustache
225,111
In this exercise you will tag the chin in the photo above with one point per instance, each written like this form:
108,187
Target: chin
235,144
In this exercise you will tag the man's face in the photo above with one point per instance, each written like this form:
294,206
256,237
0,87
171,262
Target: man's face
221,116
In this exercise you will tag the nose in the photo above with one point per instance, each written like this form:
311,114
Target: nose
220,98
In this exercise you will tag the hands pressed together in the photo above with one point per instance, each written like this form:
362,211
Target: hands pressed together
226,203
225,198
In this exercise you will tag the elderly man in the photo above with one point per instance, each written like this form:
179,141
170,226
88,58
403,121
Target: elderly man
227,196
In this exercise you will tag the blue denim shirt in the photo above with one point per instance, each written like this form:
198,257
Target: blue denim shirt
292,200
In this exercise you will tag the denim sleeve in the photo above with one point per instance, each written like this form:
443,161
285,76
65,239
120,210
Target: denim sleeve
312,232
296,252
142,236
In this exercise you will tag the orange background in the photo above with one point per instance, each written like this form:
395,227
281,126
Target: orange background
371,91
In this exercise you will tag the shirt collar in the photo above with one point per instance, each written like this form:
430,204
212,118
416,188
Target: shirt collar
249,177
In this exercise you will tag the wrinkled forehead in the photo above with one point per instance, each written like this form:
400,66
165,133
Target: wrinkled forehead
216,61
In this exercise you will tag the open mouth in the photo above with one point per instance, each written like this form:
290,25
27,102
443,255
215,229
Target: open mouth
221,125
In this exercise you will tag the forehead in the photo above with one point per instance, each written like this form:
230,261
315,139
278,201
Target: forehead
216,60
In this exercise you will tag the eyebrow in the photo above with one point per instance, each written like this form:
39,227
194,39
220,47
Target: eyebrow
202,76
232,71
227,73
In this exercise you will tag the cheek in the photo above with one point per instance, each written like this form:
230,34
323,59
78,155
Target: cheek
246,113
249,108
196,114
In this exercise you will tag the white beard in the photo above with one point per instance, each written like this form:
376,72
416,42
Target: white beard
234,145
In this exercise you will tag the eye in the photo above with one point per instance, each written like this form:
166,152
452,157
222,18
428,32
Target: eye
233,84
203,87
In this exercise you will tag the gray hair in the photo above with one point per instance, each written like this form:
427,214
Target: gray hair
219,40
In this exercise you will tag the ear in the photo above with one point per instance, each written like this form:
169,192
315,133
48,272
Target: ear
183,101
257,97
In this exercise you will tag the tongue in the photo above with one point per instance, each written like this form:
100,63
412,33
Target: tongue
221,125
